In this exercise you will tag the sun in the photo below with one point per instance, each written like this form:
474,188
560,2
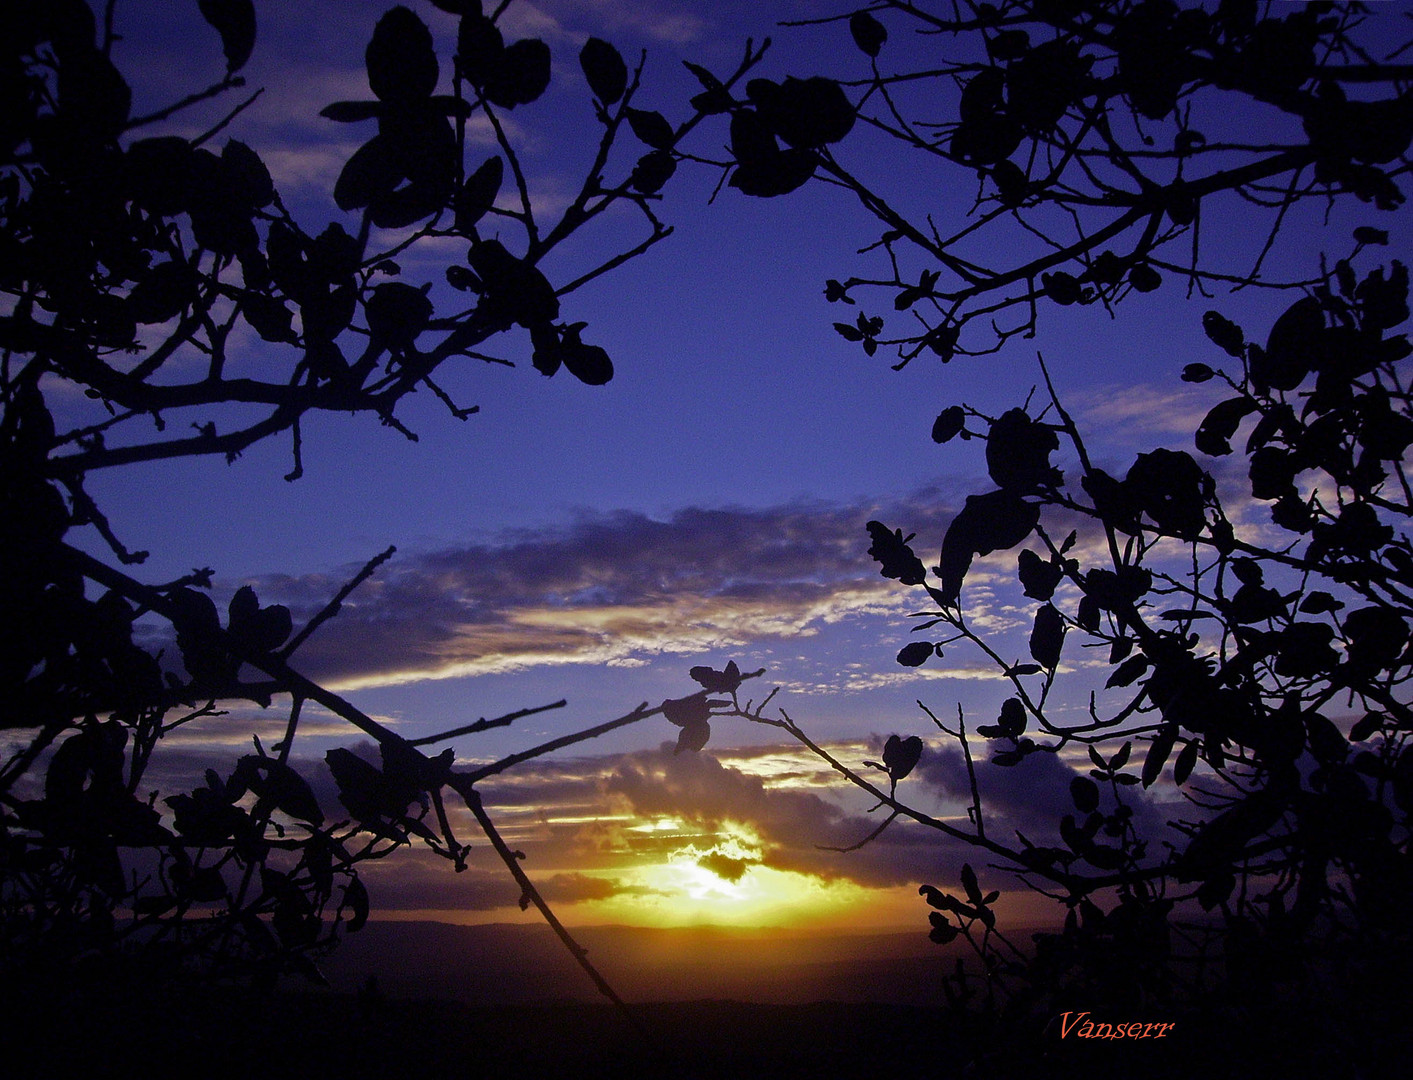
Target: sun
723,878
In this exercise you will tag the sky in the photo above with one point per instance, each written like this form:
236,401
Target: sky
593,543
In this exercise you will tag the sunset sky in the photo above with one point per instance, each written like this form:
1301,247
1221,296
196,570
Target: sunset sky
593,543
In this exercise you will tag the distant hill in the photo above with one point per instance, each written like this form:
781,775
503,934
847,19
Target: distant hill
513,964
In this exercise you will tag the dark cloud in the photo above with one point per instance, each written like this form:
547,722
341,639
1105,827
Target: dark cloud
605,587
726,867
1030,797
797,829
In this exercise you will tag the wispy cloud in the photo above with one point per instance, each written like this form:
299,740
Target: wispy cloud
613,588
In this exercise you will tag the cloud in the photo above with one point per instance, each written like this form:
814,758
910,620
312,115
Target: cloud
791,828
1030,797
606,589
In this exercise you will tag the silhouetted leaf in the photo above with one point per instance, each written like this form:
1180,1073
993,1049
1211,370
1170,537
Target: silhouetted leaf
371,172
892,552
778,174
1038,577
804,113
688,710
650,127
520,74
868,33
1085,794
727,681
1217,428
1197,373
948,424
992,522
1047,637
604,69
355,897
1225,334
1129,672
347,112
278,783
397,313
479,46
478,194
693,737
234,20
1292,350
1144,278
1012,718
1018,452
900,756
1061,287
1158,751
157,174
1366,235
942,932
915,653
402,65
163,293
652,171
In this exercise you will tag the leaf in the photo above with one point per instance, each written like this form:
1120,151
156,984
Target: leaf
779,174
868,33
915,653
688,710
246,177
371,172
479,46
1120,758
1158,751
900,756
942,932
727,681
286,789
1048,636
234,20
1018,452
1225,334
651,128
355,897
897,559
163,293
1038,577
1144,278
693,737
1061,287
604,69
1197,373
520,74
396,314
1293,347
1084,792
805,113
995,521
1215,432
402,65
478,194
652,171
590,364
1364,234
1012,718
969,883
347,112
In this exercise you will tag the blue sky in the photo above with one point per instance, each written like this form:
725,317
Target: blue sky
594,542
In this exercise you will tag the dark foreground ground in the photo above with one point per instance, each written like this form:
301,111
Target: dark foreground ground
340,1037
470,1003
